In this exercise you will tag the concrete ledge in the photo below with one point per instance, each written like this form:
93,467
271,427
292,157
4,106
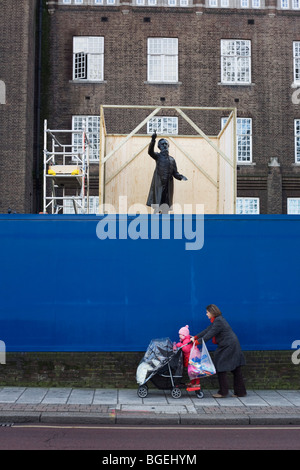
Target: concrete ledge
19,417
221,419
77,418
147,419
274,419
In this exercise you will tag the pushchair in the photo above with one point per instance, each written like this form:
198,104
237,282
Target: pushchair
163,367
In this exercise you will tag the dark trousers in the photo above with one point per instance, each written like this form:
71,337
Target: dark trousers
238,382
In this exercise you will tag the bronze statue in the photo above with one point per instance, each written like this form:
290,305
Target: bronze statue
162,186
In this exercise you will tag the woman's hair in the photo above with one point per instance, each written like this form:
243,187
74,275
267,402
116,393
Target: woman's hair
214,310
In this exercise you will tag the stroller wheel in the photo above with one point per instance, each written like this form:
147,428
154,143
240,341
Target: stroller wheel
142,391
176,392
199,394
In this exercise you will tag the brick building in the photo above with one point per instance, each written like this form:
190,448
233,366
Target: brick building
217,53
242,53
17,105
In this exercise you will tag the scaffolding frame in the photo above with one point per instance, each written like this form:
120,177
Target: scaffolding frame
181,111
65,171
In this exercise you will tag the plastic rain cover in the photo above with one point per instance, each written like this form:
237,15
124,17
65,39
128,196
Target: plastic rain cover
158,354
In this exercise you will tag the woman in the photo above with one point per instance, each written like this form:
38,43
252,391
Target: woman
228,355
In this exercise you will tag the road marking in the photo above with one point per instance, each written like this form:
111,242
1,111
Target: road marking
150,427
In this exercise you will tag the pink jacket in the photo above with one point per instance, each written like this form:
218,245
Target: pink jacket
186,349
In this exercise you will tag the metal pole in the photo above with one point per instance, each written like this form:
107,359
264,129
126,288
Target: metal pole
45,166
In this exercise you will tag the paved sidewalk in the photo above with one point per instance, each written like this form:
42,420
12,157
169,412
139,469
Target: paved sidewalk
124,407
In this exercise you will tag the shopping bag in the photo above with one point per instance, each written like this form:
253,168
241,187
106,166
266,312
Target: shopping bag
200,363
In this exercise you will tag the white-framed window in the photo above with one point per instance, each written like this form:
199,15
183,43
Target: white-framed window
290,4
296,56
293,205
235,61
88,58
163,125
68,206
297,140
92,126
243,138
163,60
247,205
2,92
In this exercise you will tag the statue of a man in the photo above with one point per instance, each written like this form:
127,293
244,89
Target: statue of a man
162,186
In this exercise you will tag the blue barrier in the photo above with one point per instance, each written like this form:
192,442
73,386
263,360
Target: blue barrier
64,289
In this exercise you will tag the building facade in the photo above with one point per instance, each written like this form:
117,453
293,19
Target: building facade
17,105
217,53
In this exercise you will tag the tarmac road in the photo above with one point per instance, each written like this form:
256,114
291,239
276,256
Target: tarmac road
129,439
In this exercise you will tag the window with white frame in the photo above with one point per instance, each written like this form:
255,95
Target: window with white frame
247,205
92,126
88,58
87,2
297,140
163,60
68,206
293,205
235,61
163,125
289,4
243,139
296,55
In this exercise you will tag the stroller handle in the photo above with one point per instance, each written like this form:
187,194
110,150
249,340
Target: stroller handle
190,342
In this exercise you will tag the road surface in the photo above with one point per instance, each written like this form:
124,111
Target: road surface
133,438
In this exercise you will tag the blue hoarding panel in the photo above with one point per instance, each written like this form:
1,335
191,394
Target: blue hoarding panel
65,289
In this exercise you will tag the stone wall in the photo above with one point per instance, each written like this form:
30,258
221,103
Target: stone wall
264,370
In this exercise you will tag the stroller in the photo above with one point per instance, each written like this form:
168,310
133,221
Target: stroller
164,367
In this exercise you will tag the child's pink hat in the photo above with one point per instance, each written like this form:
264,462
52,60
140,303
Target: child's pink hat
184,331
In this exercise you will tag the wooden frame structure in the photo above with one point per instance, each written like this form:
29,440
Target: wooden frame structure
214,143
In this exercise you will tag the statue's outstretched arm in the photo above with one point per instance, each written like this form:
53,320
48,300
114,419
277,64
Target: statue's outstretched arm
151,147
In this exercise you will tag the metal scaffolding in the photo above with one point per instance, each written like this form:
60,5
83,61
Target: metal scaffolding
66,171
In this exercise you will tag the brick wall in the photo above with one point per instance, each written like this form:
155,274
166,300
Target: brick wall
17,70
264,370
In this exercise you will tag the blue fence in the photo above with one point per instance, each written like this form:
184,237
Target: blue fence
65,289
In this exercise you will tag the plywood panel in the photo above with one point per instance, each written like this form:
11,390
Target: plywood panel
129,172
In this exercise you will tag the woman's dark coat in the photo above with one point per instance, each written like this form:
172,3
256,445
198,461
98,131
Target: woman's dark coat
228,355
